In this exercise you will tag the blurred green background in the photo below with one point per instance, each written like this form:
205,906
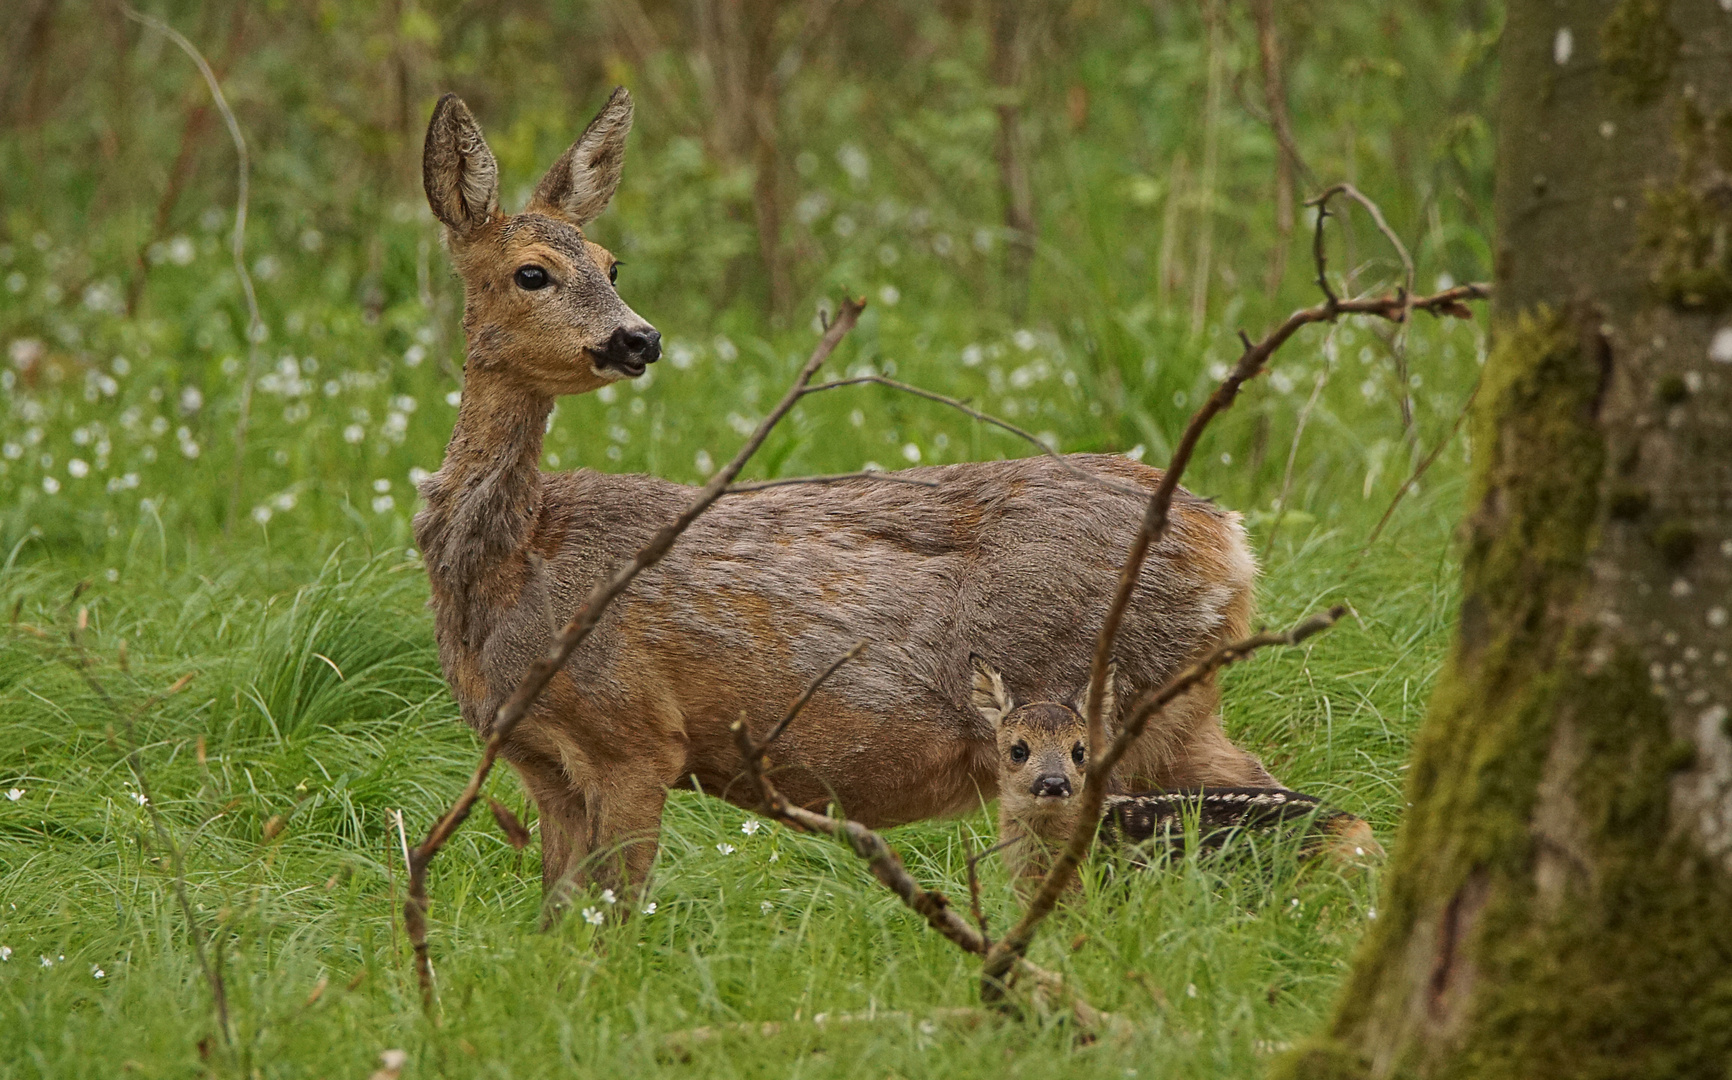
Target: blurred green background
1063,212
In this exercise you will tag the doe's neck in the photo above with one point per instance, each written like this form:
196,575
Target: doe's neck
483,502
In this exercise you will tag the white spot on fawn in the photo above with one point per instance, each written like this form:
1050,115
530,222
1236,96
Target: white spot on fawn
1563,46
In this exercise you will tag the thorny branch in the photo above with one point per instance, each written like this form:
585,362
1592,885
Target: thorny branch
540,673
237,244
1100,768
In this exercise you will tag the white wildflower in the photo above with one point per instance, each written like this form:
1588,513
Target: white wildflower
592,916
607,897
725,849
15,794
138,797
650,908
751,827
97,972
5,953
766,907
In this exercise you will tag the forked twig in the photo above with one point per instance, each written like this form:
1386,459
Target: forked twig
1100,768
806,695
985,418
1398,346
237,245
1399,308
881,859
540,673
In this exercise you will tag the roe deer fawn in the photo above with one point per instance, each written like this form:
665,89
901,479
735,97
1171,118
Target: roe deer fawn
1042,753
767,588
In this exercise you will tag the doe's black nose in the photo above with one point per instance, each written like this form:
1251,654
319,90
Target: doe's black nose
1057,787
643,343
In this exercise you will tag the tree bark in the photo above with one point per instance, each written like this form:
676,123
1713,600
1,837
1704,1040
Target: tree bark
1559,902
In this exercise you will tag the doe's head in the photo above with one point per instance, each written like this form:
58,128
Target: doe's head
540,304
1043,748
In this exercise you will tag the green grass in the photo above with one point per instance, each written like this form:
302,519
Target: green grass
316,711
1213,962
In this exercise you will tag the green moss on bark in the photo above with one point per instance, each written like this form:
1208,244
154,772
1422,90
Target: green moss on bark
1638,47
1686,226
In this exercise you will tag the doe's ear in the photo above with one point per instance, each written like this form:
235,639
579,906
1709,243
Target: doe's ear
988,693
582,181
1109,698
458,170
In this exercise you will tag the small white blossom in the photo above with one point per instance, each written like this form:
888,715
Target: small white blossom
15,794
650,908
47,963
1190,989
5,953
750,828
766,907
725,849
607,897
592,916
138,797
97,972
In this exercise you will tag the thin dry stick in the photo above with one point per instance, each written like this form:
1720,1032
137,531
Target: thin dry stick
255,324
540,673
1450,302
1398,346
806,695
1292,456
1147,707
832,478
135,764
881,859
1419,470
987,418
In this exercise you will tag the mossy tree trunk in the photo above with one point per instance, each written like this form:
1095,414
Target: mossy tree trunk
1559,903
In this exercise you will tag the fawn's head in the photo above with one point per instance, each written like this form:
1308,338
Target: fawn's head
1043,746
540,308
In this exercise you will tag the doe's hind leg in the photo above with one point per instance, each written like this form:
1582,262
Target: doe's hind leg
1186,746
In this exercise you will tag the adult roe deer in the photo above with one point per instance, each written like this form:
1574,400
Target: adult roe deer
768,588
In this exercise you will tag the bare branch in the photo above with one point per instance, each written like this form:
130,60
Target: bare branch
1100,769
968,410
806,695
832,478
540,673
1398,346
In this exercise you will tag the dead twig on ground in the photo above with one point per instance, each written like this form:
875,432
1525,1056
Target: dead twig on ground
573,634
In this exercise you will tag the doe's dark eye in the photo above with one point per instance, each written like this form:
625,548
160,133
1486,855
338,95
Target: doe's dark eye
1077,753
613,273
1019,753
531,278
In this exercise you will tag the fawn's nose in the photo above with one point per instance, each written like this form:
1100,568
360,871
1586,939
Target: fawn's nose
1051,787
643,343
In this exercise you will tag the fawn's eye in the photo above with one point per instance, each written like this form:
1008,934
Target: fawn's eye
531,278
1019,753
1077,754
613,273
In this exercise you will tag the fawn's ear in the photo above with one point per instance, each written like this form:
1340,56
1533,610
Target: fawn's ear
989,696
582,181
1109,699
458,170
